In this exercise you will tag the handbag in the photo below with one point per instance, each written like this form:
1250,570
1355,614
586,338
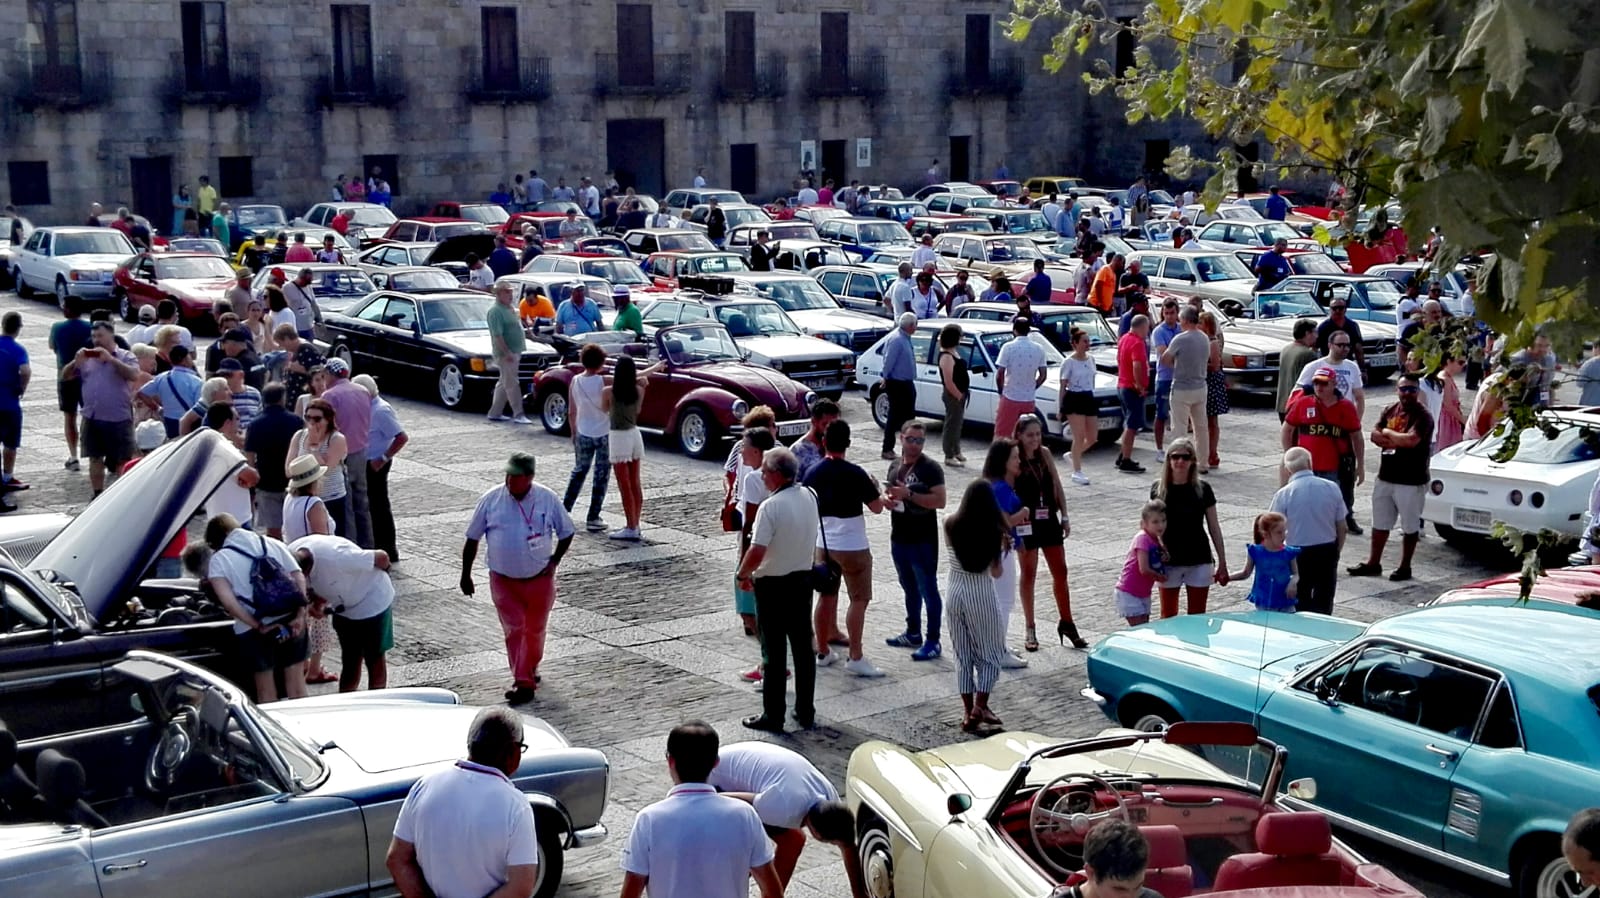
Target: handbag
732,518
826,575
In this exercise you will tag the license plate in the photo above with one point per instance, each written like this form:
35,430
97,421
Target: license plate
1108,423
1383,360
793,428
105,276
1472,519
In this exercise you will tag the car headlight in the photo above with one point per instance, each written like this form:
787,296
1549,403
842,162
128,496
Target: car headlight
776,364
1248,361
811,399
479,365
740,408
839,337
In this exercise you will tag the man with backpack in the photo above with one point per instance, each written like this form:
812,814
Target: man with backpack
258,580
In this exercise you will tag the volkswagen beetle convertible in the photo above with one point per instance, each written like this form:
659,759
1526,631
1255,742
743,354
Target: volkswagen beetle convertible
186,788
1006,817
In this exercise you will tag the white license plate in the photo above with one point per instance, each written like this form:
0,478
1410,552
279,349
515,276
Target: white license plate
1472,519
793,428
1108,423
1384,360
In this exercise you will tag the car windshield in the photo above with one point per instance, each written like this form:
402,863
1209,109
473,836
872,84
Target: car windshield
1100,333
993,341
686,242
699,343
1220,268
197,245
749,319
792,230
877,233
719,264
431,279
372,217
260,216
488,214
1275,230
1012,249
1314,263
1287,305
108,242
1573,443
446,231
745,216
1162,198
194,268
457,313
797,294
616,271
341,282
1023,222
1382,293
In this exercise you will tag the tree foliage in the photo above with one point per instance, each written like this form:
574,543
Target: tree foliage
1481,117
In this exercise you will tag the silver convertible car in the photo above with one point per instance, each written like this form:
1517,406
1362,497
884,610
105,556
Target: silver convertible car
190,789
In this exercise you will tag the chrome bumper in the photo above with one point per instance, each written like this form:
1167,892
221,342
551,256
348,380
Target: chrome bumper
588,836
1089,693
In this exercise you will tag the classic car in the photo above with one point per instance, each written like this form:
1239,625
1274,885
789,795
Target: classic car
1028,223
813,309
246,221
393,254
548,225
195,281
1453,284
735,214
941,224
429,230
816,215
428,339
806,255
1576,586
1232,233
415,279
859,287
1006,817
963,203
1272,315
1044,185
315,237
1199,216
180,785
492,215
961,188
642,242
1463,733
986,254
1155,234
1161,202
75,261
979,347
367,220
451,253
1258,202
5,245
742,237
1545,485
901,211
1212,274
679,202
1002,187
1057,325
862,236
205,246
1368,297
158,238
1301,261
703,390
617,272
557,285
333,286
664,269
765,332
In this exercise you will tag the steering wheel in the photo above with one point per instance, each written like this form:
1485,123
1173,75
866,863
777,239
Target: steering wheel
1073,810
1396,693
171,751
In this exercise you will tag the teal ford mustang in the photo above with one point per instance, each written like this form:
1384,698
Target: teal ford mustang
1467,734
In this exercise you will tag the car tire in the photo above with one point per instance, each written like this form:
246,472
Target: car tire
1147,715
879,399
697,432
554,413
552,857
342,352
876,854
23,290
124,304
451,384
1542,872
61,292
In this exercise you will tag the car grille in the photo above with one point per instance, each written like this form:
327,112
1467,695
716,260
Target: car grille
1377,347
812,368
861,341
528,367
1271,360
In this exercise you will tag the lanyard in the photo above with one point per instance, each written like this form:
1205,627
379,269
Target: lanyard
527,517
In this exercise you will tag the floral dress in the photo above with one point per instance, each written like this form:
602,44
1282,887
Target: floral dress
1216,385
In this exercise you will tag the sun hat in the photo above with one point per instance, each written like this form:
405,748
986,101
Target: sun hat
305,469
148,435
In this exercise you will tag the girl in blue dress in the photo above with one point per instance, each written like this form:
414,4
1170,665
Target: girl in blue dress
1273,563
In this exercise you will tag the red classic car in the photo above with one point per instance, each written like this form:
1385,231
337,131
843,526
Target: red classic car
196,281
549,225
1578,586
489,214
430,229
703,390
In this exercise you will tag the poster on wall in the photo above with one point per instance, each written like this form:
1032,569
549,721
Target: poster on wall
863,152
808,155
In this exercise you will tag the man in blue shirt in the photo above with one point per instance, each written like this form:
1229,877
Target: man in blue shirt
67,337
1160,336
1277,206
1038,288
176,390
502,261
1273,266
899,381
14,376
577,315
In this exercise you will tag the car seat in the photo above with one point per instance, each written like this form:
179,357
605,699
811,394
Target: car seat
19,797
1291,849
61,783
675,350
1168,870
739,325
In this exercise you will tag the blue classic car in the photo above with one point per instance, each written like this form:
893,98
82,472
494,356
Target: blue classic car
1467,734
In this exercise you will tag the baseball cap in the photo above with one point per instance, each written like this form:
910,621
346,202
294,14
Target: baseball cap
520,464
337,367
148,435
1325,373
243,272
237,335
147,313
229,365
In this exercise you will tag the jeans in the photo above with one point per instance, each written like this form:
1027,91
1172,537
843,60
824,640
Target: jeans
596,452
1319,576
357,509
902,408
917,565
955,414
382,512
783,608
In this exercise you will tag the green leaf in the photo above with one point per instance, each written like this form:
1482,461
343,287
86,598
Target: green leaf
1496,34
1019,28
1442,112
1543,151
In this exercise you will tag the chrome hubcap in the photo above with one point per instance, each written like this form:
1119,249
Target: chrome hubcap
880,408
555,411
693,431
877,866
1557,880
450,385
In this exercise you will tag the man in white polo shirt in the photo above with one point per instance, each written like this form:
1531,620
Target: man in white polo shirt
696,843
355,584
467,831
792,797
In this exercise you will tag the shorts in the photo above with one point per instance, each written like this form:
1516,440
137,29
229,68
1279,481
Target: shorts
1047,534
11,429
1164,400
69,395
261,652
1080,403
1195,576
362,637
626,445
1132,409
1396,503
269,510
1130,605
108,440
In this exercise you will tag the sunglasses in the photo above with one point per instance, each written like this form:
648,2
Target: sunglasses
1181,456
315,418
915,441
1408,390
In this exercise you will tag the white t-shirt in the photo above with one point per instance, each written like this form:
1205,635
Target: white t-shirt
234,499
1405,310
807,196
922,255
234,566
141,333
284,315
1021,358
592,420
696,844
750,488
1077,376
784,524
844,534
343,574
482,276
900,294
925,305
1347,373
786,785
468,823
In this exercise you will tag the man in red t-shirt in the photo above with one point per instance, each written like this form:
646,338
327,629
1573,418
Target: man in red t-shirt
1133,384
1328,426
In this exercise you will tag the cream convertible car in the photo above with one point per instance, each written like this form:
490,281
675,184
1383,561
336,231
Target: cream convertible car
1006,817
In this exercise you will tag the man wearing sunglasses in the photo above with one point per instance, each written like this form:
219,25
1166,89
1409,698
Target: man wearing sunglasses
1404,433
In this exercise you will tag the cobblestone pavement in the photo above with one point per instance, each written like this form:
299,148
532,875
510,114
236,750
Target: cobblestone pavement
644,636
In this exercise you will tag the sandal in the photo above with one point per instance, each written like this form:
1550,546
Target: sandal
323,677
1031,643
971,725
985,715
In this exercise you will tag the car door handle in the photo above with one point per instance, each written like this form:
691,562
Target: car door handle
109,869
1447,754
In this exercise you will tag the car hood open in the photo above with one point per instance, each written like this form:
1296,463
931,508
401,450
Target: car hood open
380,736
455,249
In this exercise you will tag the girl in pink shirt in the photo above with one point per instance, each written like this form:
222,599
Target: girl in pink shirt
1145,566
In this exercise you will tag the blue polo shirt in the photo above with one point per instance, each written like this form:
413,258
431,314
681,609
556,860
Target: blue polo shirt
572,320
1038,289
12,358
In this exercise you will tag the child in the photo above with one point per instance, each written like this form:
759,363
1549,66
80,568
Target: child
1277,577
1145,566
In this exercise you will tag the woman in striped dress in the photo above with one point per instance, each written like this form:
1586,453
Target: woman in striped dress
976,534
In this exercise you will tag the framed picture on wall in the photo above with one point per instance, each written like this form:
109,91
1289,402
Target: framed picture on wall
863,152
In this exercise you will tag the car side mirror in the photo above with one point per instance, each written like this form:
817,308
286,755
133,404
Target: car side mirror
1324,690
1186,278
1304,789
958,804
874,295
416,328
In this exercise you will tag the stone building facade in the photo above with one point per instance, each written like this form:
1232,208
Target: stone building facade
119,102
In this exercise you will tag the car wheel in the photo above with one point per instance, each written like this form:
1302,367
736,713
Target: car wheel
877,860
452,385
61,292
551,858
1148,715
880,407
124,304
343,353
23,290
553,412
1544,873
697,432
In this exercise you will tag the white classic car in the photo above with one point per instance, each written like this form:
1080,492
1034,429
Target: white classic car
75,261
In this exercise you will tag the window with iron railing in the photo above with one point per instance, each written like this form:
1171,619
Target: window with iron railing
352,48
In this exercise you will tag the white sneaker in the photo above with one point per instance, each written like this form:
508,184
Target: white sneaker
1012,661
826,659
522,419
1080,478
627,533
1161,457
496,419
861,667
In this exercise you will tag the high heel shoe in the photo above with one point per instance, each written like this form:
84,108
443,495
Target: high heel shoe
1067,630
1031,643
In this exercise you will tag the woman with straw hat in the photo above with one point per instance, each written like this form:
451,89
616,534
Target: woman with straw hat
304,513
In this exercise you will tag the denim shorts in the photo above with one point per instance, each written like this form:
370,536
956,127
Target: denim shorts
1132,409
1163,400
